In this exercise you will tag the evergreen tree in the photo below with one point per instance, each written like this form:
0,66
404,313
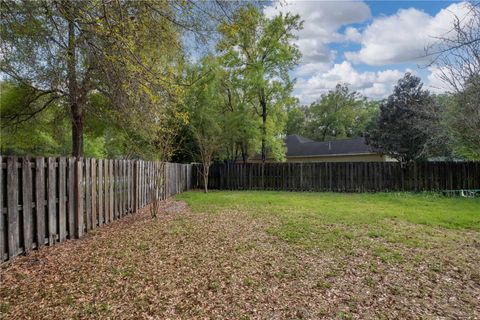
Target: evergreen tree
401,129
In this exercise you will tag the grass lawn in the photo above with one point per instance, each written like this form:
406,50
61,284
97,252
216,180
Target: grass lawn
267,255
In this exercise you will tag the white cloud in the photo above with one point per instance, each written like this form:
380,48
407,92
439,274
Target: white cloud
352,34
434,83
322,19
384,40
374,84
308,69
403,36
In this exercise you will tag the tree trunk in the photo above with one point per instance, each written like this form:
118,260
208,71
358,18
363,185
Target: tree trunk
76,110
325,131
235,156
206,169
244,152
77,132
263,103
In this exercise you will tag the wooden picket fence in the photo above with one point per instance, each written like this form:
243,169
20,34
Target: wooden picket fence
45,201
344,176
48,200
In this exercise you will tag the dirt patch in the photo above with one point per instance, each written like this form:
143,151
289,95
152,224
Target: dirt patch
185,265
175,207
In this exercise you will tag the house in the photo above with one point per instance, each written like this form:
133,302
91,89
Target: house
301,149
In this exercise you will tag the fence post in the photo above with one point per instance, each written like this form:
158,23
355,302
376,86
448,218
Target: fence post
62,188
88,195
12,206
52,203
135,186
2,228
165,183
111,194
129,186
100,209
40,201
301,176
93,188
106,190
71,198
27,204
78,199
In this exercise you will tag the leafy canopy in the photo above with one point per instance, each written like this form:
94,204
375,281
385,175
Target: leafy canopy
401,127
260,50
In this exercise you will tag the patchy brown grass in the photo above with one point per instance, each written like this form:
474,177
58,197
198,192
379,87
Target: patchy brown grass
229,265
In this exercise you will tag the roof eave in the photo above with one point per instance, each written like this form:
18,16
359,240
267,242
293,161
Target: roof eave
336,155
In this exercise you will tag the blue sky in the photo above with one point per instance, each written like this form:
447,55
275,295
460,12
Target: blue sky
368,45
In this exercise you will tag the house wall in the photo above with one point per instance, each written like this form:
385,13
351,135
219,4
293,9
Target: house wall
340,158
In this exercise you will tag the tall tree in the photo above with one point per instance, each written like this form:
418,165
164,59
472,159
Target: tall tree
48,133
337,114
296,119
456,58
204,101
240,118
45,134
400,129
463,120
262,50
39,51
456,53
130,51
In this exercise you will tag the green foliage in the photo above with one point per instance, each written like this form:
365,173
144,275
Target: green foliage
295,121
240,119
405,116
64,53
463,120
119,79
243,127
339,114
45,133
48,133
204,103
251,87
122,75
261,52
439,144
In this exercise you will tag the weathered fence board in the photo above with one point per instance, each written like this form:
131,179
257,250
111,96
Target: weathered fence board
27,205
47,200
52,201
40,201
93,168
88,196
111,185
3,241
78,199
62,214
71,197
101,218
342,177
12,207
